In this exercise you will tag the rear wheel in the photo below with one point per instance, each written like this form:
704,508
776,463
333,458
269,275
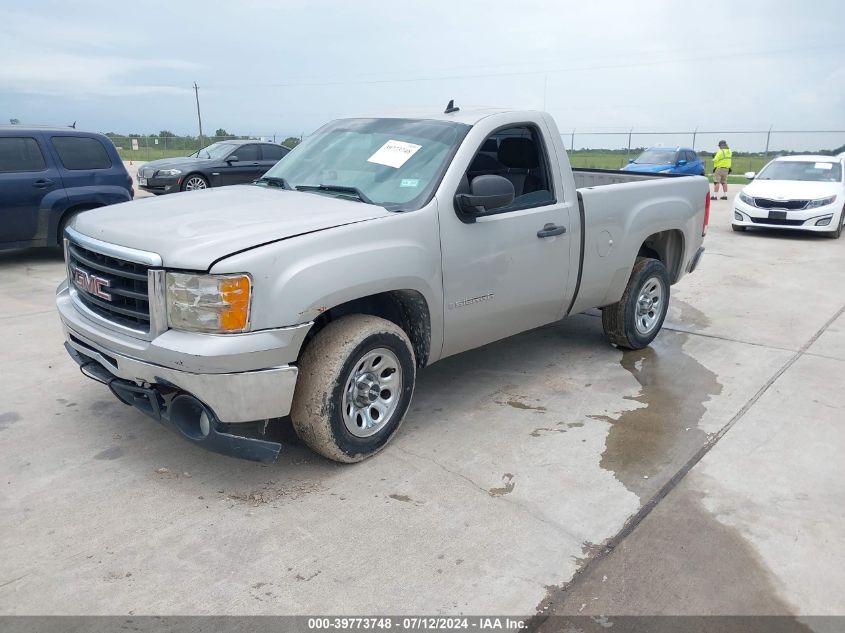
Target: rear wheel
355,383
637,317
194,182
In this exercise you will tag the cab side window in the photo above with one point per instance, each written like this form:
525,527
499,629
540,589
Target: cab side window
519,155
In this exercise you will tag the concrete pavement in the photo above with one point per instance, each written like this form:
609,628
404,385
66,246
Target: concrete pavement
520,464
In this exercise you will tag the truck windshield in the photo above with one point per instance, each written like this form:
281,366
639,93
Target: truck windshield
395,163
656,157
802,170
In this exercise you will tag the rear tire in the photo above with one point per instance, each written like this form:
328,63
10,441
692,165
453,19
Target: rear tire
66,218
738,229
634,321
355,383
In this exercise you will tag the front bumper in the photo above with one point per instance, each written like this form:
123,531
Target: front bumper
818,220
235,379
161,186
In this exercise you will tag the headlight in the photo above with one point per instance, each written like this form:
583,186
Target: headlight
208,303
823,202
746,199
168,172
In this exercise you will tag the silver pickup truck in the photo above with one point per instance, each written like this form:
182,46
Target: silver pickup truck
375,248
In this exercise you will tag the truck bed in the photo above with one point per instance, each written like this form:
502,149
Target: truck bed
600,177
617,219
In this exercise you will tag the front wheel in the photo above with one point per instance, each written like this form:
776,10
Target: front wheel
838,232
355,383
637,317
194,182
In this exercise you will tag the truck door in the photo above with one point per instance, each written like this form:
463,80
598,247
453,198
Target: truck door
507,272
25,179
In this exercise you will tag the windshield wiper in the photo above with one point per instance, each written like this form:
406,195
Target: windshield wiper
347,191
275,181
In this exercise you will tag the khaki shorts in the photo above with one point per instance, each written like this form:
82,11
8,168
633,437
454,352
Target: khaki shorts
721,176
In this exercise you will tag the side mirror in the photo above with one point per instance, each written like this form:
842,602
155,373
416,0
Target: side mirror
682,162
630,160
232,159
750,175
487,193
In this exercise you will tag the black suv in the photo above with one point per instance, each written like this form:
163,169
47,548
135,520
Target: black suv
222,163
48,175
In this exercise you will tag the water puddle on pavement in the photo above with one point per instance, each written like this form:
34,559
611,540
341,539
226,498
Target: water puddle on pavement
663,434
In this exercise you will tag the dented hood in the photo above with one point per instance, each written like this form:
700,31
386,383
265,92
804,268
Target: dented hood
191,230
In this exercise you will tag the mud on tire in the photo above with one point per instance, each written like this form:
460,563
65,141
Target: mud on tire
632,322
347,352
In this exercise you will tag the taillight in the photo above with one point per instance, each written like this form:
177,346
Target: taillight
706,213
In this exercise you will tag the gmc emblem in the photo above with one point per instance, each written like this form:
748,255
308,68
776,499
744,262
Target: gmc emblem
90,283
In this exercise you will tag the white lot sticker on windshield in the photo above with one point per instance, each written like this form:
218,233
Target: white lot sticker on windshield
824,165
394,153
410,182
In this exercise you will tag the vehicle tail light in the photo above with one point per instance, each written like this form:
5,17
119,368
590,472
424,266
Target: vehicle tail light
706,213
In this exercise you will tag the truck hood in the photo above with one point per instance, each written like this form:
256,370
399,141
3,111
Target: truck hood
192,230
791,189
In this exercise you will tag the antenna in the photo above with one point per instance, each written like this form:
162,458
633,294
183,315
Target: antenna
451,107
74,125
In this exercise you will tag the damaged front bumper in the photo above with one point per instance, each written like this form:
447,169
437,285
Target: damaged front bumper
183,411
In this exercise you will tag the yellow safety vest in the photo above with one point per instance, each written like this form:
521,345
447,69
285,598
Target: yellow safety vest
722,159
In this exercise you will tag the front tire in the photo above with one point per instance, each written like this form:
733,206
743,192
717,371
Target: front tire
355,383
635,320
838,232
194,182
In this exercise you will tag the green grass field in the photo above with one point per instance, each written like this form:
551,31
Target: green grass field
587,159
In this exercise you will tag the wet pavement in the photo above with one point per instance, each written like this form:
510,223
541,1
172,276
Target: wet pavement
548,473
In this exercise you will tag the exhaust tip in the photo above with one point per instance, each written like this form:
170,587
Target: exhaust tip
191,417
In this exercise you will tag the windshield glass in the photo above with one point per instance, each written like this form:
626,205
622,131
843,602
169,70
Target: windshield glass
802,170
215,150
395,163
656,157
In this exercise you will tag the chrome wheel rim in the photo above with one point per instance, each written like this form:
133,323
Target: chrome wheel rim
372,392
649,305
194,183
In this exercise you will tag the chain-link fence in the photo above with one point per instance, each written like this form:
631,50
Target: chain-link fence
752,148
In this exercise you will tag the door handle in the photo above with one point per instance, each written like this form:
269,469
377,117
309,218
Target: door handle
42,182
550,230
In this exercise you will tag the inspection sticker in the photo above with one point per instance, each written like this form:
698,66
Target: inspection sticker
409,182
824,166
394,153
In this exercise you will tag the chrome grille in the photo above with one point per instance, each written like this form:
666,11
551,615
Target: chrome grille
767,203
127,285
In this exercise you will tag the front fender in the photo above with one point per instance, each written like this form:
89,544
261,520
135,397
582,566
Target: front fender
297,279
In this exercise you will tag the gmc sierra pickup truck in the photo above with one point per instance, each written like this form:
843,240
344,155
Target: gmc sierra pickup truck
375,248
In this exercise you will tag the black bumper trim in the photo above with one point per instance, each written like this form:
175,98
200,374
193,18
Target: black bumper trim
150,401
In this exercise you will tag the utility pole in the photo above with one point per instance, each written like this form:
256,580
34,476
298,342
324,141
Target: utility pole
199,116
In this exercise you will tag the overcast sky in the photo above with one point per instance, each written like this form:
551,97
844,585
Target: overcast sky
284,67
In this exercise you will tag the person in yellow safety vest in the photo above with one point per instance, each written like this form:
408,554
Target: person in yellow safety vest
721,169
